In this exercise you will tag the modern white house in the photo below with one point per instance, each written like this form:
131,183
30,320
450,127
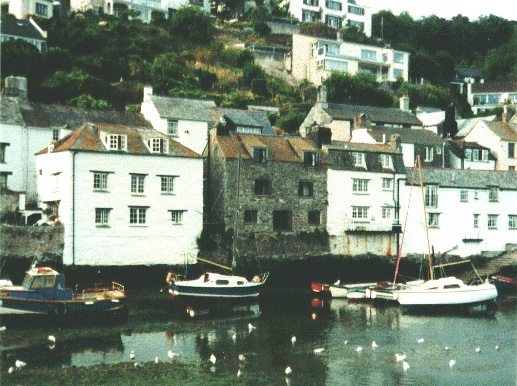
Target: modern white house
188,121
125,195
334,13
362,183
468,212
500,138
23,8
314,59
490,95
146,8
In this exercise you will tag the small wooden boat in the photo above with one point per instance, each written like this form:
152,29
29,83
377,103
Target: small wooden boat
320,289
43,292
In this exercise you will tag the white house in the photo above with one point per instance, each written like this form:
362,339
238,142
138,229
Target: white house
334,13
500,138
22,8
362,184
468,212
125,195
314,59
491,95
469,155
186,120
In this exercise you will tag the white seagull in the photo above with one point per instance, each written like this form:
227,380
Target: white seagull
337,282
19,364
421,340
452,362
156,360
288,370
3,328
239,373
477,349
234,337
251,327
318,350
52,338
497,348
400,357
359,349
374,345
138,365
293,339
242,358
11,370
213,359
171,354
447,348
345,342
405,366
132,355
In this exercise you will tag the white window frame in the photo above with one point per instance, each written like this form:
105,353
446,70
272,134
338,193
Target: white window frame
512,221
138,183
158,145
100,181
431,196
433,220
137,215
167,184
172,127
468,154
475,155
492,221
360,212
493,194
476,220
310,158
177,217
359,185
464,195
387,211
55,135
386,161
484,155
116,142
102,216
259,154
359,159
387,184
429,154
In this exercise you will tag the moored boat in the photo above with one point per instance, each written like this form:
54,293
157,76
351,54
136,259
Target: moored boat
505,284
320,289
43,291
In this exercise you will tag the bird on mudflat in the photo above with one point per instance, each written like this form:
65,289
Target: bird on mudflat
478,350
11,370
400,357
3,328
156,360
19,364
293,339
288,370
374,345
239,373
132,355
251,327
137,365
452,362
497,348
421,340
213,359
359,349
447,348
171,354
52,338
242,358
405,366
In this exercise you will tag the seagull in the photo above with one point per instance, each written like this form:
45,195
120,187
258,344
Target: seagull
52,338
400,357
345,342
234,337
337,282
138,365
242,358
374,345
359,349
11,370
447,348
318,350
213,359
239,373
3,328
405,366
477,349
132,355
452,362
19,364
497,348
171,354
251,327
293,339
288,370
156,360
421,340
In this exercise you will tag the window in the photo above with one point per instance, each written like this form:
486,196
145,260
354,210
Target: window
158,145
312,3
137,183
137,215
177,216
368,55
468,154
359,185
512,221
314,49
3,179
41,9
386,212
102,216
172,127
3,147
333,21
250,216
320,65
262,187
476,220
55,134
355,10
310,158
431,196
433,220
492,221
475,154
335,5
511,150
429,154
387,183
167,184
116,142
305,189
360,212
493,194
100,181
464,196
511,168
358,24
335,65
259,154
386,161
359,160
314,217
398,72
398,57
56,177
484,155
282,220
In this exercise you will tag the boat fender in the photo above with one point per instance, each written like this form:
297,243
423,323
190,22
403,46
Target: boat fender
256,279
169,277
60,309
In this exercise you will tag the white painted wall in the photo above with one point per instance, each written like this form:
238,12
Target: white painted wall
156,242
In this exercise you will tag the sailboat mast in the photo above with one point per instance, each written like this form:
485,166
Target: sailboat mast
429,255
235,233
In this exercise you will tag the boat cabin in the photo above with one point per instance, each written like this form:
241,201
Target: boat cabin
46,282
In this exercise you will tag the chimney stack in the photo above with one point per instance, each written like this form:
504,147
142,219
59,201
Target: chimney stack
148,91
16,86
396,142
322,96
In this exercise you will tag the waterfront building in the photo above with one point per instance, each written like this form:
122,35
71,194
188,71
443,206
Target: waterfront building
125,195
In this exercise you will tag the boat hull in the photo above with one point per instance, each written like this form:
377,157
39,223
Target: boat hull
29,306
214,292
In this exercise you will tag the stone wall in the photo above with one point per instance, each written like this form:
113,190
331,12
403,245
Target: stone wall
21,242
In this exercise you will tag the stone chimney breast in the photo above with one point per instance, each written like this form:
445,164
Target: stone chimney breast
16,86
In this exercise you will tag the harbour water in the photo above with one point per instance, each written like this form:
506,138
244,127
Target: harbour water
332,345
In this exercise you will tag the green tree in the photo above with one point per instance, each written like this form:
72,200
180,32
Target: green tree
250,72
167,71
86,101
192,26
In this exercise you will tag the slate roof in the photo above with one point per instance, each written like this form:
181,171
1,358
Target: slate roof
22,28
10,111
281,149
494,87
457,147
416,136
248,118
384,115
466,178
505,131
465,125
184,108
468,72
87,138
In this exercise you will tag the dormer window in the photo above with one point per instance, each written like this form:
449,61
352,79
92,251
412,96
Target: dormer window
386,161
310,158
116,141
484,155
259,154
359,160
158,145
